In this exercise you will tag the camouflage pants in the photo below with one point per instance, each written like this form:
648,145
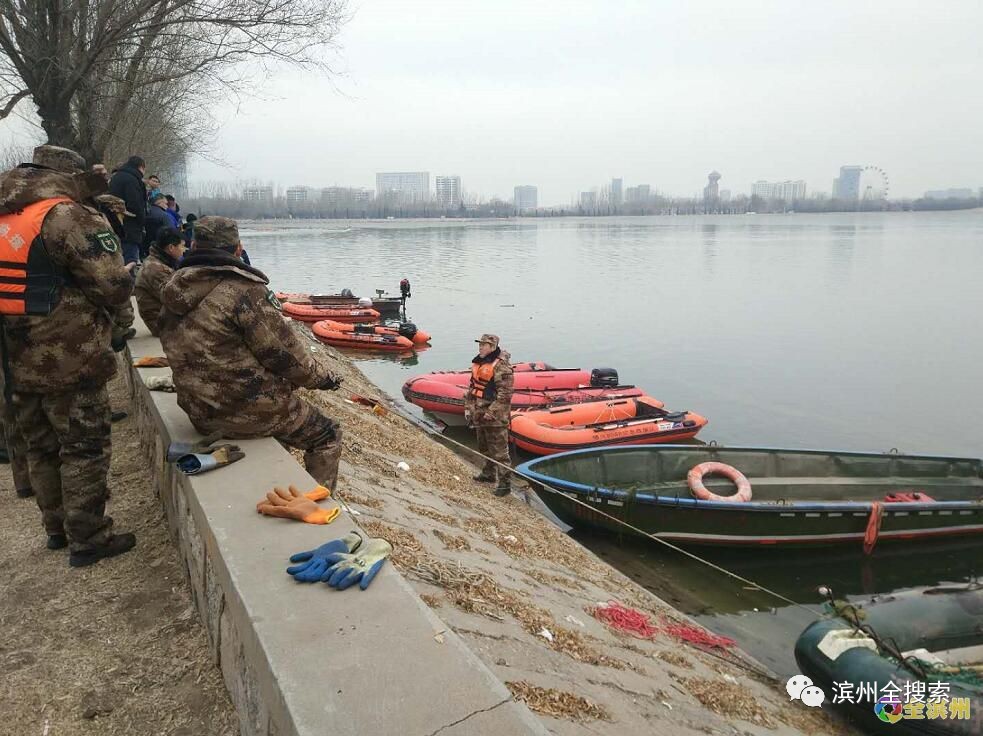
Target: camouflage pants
493,442
16,450
303,426
69,448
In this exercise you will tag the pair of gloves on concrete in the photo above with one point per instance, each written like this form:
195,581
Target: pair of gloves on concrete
342,562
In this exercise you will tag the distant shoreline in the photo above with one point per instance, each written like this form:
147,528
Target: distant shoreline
342,223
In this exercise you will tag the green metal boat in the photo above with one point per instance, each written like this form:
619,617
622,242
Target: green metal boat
908,664
799,497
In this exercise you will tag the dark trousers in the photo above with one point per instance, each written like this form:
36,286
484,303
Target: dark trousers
69,448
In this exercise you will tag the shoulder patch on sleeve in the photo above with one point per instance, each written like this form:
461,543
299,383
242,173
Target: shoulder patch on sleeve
104,239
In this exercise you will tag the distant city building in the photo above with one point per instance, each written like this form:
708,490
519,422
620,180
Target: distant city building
409,186
763,189
725,195
617,192
526,198
295,195
334,196
949,194
711,192
257,194
640,193
790,190
847,185
588,200
448,191
786,190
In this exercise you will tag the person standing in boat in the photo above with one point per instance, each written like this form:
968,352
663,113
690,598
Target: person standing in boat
487,407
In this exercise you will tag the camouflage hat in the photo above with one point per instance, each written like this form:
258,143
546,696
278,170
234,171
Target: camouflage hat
216,232
114,204
59,159
490,339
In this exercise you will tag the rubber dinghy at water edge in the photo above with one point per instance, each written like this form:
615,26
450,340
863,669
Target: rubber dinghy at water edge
407,330
922,648
446,401
315,313
359,339
537,377
631,421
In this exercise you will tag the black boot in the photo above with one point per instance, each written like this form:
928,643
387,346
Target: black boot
24,492
117,545
504,486
57,541
485,476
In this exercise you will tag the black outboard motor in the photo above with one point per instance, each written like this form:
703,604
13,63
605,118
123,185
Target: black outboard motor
604,378
347,293
407,330
404,288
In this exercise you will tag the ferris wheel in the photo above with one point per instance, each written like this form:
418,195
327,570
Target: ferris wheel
874,184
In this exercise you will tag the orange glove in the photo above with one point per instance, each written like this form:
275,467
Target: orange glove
292,504
150,362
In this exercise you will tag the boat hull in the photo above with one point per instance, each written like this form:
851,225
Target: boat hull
447,398
625,421
317,313
385,305
594,488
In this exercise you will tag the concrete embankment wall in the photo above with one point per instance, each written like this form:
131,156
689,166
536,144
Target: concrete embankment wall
305,659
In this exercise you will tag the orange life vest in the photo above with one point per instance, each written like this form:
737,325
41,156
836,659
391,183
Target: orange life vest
30,284
483,380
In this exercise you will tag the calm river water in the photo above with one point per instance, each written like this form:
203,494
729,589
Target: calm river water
849,331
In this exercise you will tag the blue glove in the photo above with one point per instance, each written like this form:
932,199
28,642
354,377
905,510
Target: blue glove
315,561
361,567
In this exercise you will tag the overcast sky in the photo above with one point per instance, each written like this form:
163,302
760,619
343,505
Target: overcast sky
566,95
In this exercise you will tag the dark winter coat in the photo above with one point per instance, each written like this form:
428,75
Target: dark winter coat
127,184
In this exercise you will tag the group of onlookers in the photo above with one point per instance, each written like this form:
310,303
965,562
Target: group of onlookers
236,363
148,210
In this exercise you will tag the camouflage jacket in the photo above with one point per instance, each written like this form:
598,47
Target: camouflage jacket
156,271
235,360
69,348
498,409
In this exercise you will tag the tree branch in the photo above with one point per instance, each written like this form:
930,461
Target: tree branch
12,103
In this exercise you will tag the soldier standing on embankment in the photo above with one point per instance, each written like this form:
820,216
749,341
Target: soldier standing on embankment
487,406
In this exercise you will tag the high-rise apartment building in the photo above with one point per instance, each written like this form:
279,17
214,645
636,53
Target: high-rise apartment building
448,191
526,198
408,186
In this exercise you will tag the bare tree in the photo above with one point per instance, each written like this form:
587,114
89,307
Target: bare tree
91,65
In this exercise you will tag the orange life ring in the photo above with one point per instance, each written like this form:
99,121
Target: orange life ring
695,481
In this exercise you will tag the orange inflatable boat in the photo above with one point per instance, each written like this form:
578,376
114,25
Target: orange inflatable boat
632,421
405,329
361,338
317,313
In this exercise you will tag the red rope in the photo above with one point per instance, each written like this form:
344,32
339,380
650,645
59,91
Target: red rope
627,620
634,622
873,527
698,636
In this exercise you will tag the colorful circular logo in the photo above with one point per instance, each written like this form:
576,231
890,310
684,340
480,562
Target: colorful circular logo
888,712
